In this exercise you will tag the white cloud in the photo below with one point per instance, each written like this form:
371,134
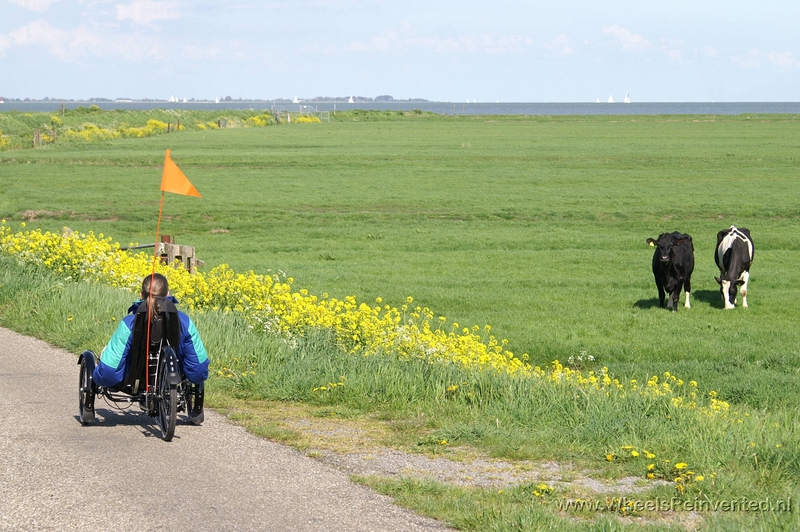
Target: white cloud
34,5
405,38
626,39
784,60
750,60
708,51
5,44
672,48
561,44
200,53
753,59
384,42
78,43
146,11
40,32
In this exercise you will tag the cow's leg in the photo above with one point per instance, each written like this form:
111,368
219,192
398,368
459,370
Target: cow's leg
744,277
673,299
688,287
726,291
661,295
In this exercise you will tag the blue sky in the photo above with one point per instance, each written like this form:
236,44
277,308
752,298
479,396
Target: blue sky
508,51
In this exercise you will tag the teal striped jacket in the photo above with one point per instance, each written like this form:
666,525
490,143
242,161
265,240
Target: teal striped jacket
115,357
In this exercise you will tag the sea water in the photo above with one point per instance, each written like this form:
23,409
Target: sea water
446,108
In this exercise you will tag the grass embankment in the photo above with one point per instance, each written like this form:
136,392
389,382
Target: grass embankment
535,226
741,455
87,125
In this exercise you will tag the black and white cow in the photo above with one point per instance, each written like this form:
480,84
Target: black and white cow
673,264
734,255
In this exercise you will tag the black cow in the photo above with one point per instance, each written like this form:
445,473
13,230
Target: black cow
673,264
733,255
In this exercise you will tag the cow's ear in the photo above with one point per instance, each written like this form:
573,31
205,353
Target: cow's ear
651,241
678,242
718,280
739,282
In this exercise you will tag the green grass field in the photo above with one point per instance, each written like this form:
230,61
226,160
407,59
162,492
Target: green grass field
533,225
536,226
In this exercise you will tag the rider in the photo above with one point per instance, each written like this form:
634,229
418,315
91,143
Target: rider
114,359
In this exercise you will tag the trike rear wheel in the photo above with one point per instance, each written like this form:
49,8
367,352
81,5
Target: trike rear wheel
85,395
167,405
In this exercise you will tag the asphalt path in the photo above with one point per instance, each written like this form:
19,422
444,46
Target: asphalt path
118,474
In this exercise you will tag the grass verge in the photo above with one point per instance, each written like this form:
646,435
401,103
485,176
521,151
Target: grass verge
277,390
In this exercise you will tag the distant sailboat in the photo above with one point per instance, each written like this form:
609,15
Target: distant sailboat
184,100
627,98
295,100
598,100
610,99
216,100
350,100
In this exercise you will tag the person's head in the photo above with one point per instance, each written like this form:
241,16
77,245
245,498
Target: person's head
155,285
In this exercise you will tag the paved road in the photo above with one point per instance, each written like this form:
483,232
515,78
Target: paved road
118,474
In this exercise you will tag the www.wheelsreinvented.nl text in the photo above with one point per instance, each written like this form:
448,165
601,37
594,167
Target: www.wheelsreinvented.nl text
675,504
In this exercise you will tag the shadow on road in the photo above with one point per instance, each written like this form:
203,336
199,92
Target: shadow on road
148,425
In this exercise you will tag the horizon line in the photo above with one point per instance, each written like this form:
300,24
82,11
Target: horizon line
359,99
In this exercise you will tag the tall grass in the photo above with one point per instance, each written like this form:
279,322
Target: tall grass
748,454
91,125
536,226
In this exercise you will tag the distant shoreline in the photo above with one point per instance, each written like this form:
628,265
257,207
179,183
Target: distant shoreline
443,108
344,100
282,101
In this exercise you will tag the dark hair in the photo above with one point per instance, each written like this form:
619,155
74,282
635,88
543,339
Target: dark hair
157,286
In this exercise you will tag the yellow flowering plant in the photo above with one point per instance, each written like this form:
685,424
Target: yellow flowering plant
269,303
679,473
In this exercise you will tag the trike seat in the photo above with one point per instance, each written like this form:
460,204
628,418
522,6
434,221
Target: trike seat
165,330
153,376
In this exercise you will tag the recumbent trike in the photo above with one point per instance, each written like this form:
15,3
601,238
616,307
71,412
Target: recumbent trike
153,379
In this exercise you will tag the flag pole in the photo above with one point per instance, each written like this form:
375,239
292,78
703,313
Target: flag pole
150,292
158,233
172,180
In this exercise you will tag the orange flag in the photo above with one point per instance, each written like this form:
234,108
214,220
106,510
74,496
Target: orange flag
173,180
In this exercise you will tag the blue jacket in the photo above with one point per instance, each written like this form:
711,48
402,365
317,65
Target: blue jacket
114,359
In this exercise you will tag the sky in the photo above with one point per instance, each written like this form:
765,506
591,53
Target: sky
439,50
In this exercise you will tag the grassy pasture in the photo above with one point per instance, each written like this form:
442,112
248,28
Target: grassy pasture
534,225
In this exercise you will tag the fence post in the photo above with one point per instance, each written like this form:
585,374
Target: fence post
36,138
55,134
